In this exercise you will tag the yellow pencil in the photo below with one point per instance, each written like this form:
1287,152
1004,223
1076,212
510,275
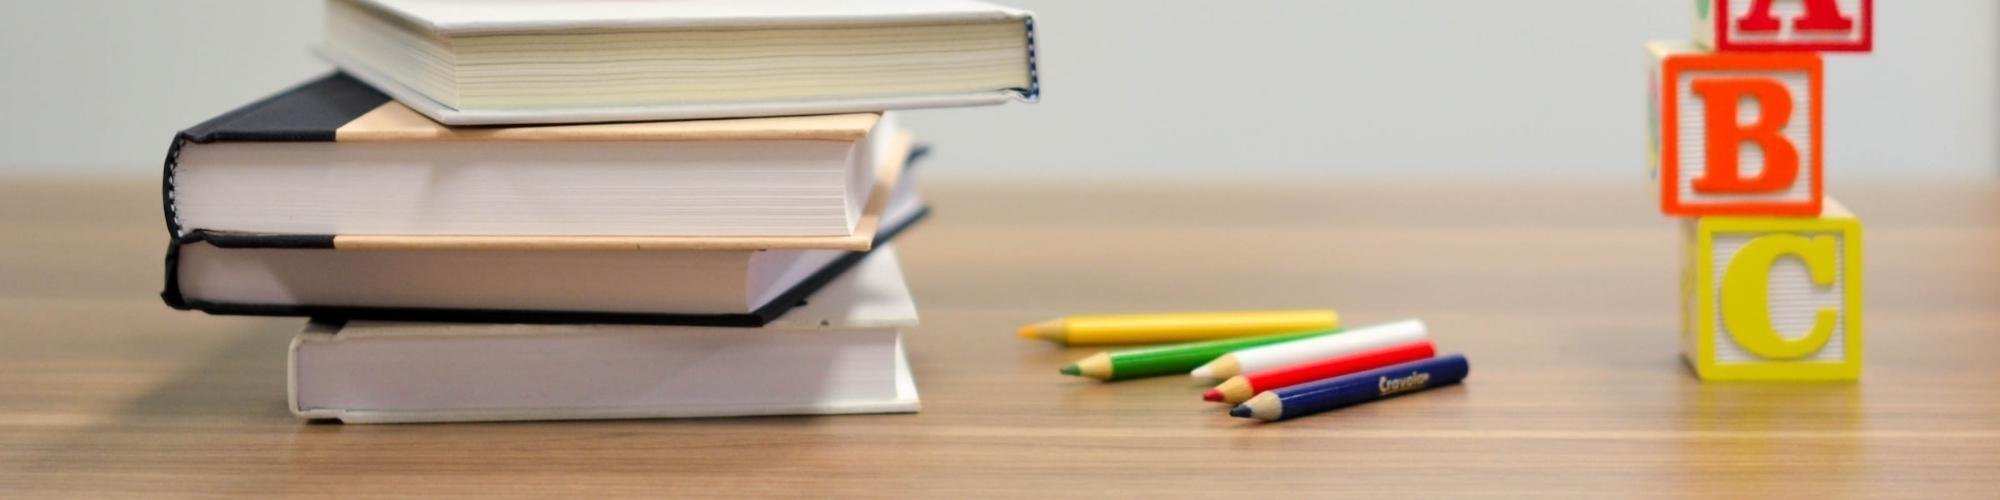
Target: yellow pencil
1176,327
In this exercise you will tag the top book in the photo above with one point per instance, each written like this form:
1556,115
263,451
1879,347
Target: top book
1785,25
484,62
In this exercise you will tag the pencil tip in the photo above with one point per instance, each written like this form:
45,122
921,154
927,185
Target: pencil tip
1201,372
1212,395
1072,370
1240,411
1051,330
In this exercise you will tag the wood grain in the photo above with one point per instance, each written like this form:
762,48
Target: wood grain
1563,298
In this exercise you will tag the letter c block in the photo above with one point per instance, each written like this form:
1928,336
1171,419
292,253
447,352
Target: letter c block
1736,133
1774,298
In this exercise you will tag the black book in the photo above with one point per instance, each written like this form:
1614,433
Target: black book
445,243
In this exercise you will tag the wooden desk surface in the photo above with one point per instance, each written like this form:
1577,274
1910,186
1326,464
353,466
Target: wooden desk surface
1563,297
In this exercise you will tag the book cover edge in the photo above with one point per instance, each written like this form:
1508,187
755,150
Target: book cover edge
790,298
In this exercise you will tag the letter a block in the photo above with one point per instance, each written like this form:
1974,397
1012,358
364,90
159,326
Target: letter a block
1773,298
1785,25
1737,133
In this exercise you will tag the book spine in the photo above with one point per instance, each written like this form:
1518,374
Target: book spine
170,291
173,218
1034,67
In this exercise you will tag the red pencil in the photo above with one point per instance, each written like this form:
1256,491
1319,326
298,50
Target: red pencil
1239,388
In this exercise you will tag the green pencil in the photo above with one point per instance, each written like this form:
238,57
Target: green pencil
1172,358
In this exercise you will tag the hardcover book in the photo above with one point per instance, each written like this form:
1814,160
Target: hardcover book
841,353
334,156
717,281
472,62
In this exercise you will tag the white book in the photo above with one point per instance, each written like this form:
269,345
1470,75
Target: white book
334,156
841,353
470,62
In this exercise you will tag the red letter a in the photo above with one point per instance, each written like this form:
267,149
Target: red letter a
1726,137
1821,15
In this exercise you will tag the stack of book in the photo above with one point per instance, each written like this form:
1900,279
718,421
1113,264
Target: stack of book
550,209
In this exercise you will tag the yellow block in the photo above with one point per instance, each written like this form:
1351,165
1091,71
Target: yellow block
1773,298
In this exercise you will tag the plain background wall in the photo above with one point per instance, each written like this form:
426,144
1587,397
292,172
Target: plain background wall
1135,89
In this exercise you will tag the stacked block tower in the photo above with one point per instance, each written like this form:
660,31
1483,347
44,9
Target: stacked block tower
1771,288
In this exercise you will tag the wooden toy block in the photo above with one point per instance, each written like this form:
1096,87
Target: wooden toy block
1785,25
1736,133
1773,298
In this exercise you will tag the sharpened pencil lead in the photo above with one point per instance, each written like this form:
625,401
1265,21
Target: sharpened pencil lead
1240,411
1072,370
1051,330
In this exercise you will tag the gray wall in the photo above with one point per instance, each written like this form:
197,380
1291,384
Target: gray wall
1136,89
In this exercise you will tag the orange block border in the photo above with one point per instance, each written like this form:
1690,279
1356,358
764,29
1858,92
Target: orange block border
1670,196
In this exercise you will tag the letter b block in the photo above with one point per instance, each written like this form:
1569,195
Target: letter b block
1737,133
1774,298
1785,25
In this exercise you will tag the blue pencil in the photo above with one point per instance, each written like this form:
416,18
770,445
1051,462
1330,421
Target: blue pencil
1352,389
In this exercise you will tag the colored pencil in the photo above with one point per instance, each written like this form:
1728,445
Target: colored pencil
1170,359
1177,327
1353,389
1258,359
1242,387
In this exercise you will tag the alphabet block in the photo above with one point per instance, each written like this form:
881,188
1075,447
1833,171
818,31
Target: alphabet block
1785,25
1773,298
1736,133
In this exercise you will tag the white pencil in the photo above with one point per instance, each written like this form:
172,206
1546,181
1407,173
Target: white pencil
1266,357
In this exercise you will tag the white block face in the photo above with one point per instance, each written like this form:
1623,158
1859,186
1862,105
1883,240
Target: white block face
1653,121
1787,12
1704,23
1794,301
1691,146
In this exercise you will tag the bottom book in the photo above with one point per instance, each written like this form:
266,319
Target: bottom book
840,352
